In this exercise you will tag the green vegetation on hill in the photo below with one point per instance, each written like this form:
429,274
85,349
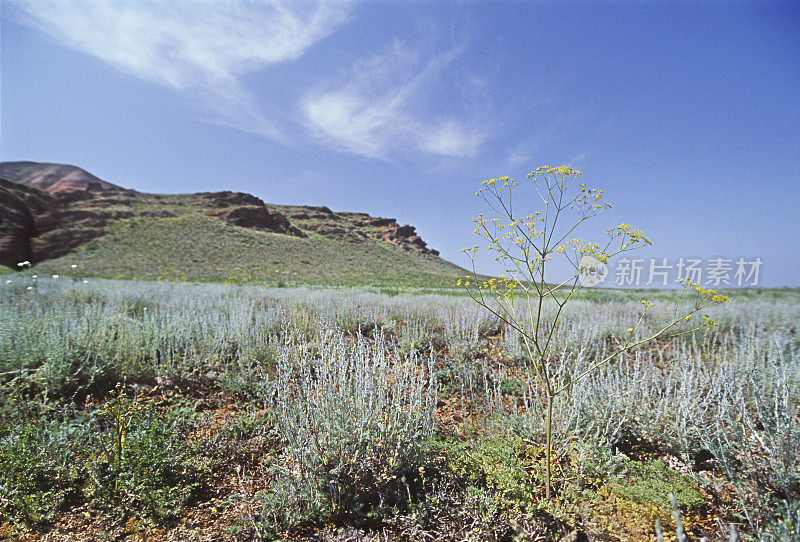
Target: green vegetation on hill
198,248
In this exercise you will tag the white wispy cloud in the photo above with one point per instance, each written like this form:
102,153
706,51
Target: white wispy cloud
378,108
203,48
453,138
406,100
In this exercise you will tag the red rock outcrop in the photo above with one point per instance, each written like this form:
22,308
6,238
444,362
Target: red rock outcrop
359,227
230,199
257,218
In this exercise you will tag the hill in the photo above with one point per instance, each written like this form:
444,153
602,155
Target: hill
53,178
58,215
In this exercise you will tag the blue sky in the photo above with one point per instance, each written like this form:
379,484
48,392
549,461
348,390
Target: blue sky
686,114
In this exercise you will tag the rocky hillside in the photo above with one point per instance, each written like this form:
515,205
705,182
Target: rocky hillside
49,210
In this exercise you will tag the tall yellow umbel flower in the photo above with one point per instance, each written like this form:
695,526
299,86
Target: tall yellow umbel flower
525,244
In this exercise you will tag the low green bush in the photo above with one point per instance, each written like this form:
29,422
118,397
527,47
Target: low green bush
140,465
36,477
653,482
505,468
455,379
125,459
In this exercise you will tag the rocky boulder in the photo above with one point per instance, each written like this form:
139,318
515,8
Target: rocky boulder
230,199
404,237
257,218
378,222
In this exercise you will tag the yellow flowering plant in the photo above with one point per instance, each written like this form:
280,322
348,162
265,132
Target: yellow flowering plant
525,246
119,413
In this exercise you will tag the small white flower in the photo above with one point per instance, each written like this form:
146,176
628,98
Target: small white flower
73,266
8,282
55,276
34,277
24,264
86,282
29,288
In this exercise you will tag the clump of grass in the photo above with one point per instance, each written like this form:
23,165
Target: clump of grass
641,493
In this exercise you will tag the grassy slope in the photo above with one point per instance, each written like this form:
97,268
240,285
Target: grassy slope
194,247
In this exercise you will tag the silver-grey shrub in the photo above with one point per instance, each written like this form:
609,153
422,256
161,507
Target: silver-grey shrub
352,414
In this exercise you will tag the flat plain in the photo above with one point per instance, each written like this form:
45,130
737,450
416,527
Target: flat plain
179,411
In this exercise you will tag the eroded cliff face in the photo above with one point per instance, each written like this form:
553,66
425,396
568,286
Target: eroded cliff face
17,226
358,228
36,225
251,212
